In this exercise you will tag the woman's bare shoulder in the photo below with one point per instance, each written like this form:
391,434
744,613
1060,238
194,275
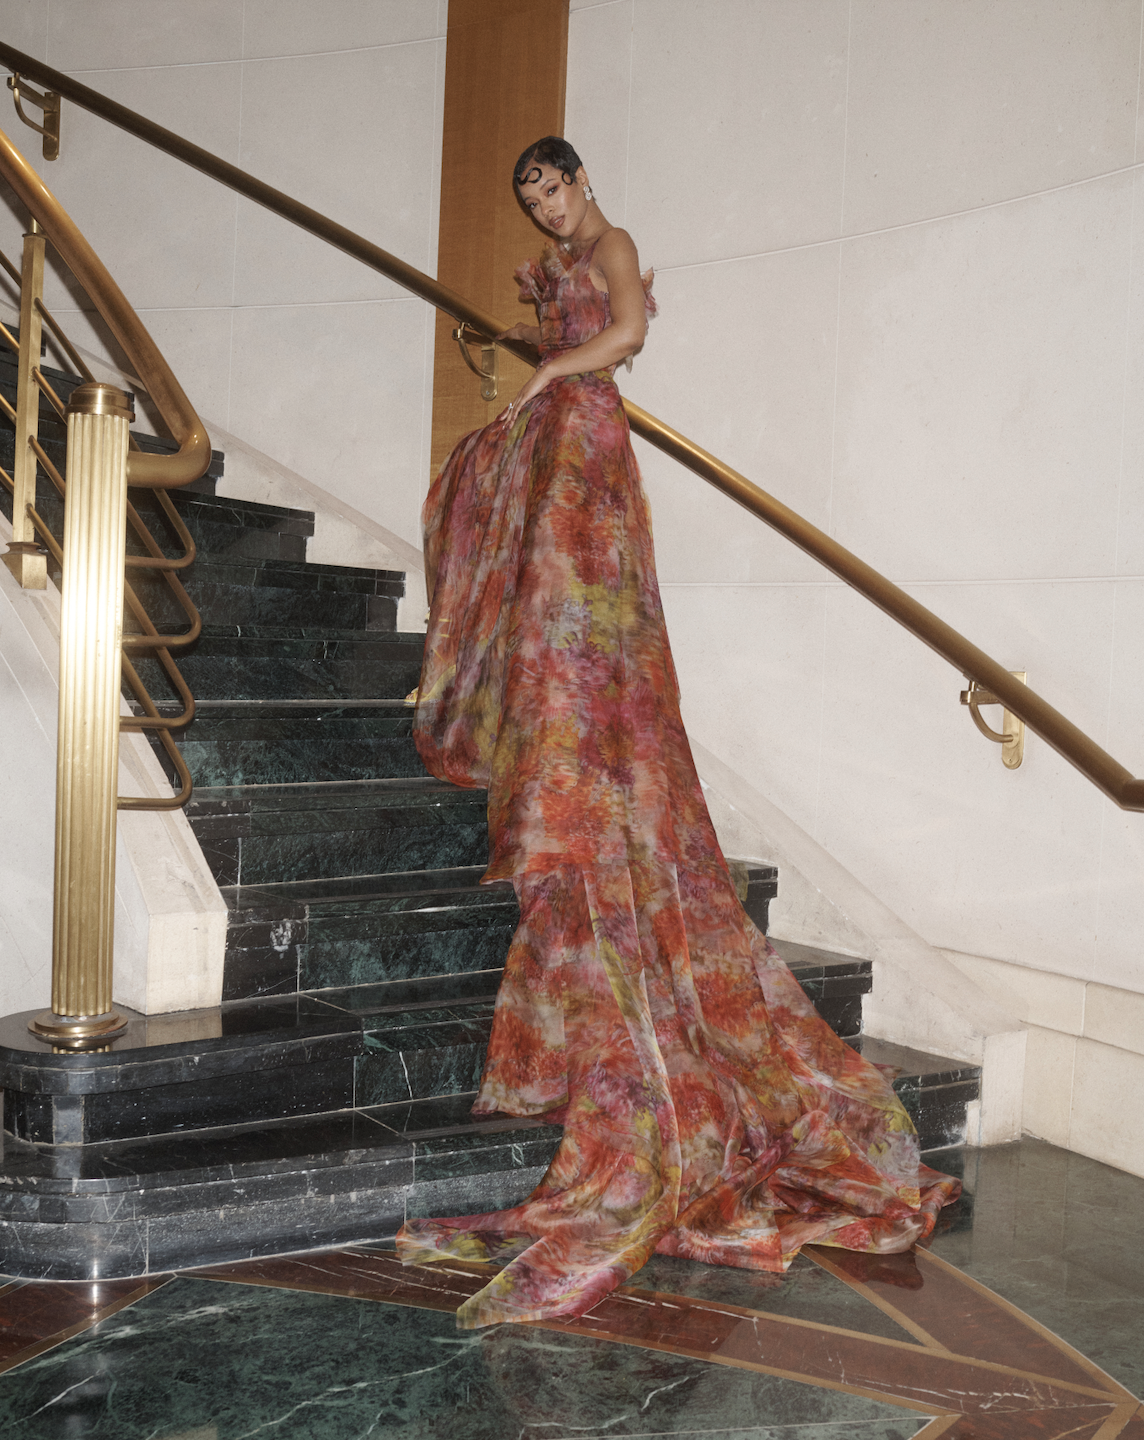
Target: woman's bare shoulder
615,245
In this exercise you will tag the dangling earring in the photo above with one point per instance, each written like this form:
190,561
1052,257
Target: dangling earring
588,193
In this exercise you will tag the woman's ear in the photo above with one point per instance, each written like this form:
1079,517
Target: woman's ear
580,177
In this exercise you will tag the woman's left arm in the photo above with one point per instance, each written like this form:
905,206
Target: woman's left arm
617,260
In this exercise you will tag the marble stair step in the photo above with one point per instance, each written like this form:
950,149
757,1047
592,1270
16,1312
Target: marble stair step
935,1091
239,592
151,1204
270,744
366,930
229,528
354,930
324,1052
835,983
323,667
254,835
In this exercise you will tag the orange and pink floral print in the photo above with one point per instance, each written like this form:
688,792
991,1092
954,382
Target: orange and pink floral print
708,1111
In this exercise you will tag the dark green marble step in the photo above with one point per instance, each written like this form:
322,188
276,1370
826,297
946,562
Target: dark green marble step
835,983
281,595
151,1203
226,527
380,665
253,835
441,1051
397,929
276,744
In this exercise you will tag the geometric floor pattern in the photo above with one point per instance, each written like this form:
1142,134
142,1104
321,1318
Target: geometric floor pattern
950,1340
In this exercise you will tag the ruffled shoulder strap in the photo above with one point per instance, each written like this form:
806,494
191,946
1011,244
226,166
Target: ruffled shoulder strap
651,309
532,281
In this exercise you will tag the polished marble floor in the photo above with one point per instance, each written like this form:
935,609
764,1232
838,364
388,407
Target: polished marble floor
1024,1318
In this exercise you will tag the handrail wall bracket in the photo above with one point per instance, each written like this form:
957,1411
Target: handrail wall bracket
50,103
486,372
1011,736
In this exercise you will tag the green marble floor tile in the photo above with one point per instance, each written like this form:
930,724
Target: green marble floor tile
805,1292
1061,1237
208,1359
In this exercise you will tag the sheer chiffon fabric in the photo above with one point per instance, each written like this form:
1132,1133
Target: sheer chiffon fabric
708,1111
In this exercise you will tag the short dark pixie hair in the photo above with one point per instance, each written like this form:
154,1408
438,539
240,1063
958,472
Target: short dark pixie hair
552,150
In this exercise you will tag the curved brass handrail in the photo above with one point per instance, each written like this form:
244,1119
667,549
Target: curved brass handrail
143,468
1096,764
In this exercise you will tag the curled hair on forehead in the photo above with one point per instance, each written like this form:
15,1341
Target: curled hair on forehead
552,150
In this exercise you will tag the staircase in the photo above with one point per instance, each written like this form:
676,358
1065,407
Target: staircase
329,1094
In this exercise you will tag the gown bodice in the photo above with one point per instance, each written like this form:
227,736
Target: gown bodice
570,308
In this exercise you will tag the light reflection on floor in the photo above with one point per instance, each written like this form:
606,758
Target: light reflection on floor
347,1344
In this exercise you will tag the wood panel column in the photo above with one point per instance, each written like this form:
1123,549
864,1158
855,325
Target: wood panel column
505,68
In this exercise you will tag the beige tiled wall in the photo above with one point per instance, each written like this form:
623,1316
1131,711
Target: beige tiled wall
900,251
322,363
1084,1066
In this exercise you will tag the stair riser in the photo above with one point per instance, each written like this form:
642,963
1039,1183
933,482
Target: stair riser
299,759
220,531
939,1112
369,1203
266,604
324,963
259,1095
302,670
322,855
410,1063
438,1060
328,962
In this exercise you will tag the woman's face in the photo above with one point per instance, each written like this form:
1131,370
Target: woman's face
552,202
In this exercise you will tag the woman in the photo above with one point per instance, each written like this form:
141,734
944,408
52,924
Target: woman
708,1111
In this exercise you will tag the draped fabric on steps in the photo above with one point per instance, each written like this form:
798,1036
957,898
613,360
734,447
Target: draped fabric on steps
708,1111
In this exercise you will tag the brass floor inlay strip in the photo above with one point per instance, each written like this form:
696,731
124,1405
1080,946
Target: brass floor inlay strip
41,1314
914,1376
933,1265
828,1261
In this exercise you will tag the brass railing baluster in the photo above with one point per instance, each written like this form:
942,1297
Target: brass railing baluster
24,557
87,762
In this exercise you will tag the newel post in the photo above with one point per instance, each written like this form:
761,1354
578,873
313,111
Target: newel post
87,763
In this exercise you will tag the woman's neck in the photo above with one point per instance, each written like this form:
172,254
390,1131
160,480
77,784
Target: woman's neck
587,233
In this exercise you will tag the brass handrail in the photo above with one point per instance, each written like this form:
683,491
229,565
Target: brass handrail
1118,783
148,637
143,468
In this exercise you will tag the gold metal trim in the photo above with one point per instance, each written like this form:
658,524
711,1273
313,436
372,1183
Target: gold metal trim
25,559
486,371
49,103
87,755
1011,736
77,1032
1117,782
144,468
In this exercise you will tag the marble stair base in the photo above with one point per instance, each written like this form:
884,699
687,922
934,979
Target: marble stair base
288,1124
141,1207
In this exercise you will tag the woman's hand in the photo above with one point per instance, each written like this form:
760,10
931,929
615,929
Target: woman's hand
530,334
528,391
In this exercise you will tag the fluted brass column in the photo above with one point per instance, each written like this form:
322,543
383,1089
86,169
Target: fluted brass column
24,557
87,763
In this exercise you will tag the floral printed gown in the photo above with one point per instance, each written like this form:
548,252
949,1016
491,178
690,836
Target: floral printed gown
708,1111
